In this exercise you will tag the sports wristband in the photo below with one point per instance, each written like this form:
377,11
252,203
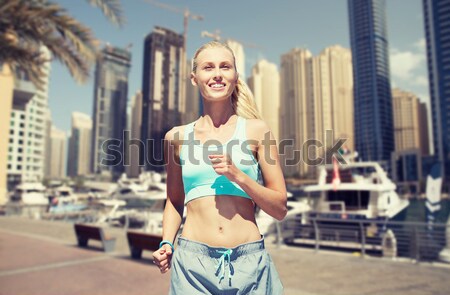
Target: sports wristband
167,242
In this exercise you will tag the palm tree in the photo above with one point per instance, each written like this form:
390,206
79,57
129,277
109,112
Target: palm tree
26,25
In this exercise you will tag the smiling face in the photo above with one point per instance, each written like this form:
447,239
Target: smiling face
215,73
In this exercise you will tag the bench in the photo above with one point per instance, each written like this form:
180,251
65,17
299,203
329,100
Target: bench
86,232
138,241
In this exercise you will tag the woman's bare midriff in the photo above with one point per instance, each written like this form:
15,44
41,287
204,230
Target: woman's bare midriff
221,221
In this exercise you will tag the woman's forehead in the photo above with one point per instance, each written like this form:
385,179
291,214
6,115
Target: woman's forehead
215,54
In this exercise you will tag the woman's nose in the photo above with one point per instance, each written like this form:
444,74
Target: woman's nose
217,74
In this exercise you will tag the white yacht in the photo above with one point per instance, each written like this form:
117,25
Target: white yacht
148,185
133,212
30,193
64,195
64,200
345,198
136,203
361,191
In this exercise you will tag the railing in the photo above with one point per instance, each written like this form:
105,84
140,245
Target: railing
30,211
416,240
42,212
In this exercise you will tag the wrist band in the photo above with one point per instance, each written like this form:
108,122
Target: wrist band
167,242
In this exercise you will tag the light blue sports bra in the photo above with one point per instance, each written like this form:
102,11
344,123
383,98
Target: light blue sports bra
200,179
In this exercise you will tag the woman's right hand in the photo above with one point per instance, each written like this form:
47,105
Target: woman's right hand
163,257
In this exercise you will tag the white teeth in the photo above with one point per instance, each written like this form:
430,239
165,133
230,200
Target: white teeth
217,85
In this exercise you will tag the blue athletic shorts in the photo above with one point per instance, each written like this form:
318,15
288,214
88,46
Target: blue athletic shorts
200,269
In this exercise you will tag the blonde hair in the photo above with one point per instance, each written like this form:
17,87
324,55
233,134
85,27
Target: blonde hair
242,98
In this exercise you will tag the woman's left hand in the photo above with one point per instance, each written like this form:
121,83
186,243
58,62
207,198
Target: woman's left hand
223,165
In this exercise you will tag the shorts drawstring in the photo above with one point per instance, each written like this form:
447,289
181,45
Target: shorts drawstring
221,267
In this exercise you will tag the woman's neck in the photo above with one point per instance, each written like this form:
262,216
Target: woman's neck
218,113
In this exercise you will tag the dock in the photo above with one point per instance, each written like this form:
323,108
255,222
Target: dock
42,257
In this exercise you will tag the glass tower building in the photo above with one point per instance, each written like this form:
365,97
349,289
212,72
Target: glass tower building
374,131
162,101
110,111
437,31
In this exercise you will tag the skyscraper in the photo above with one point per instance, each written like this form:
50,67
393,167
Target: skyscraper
27,134
333,95
79,159
7,95
57,152
193,99
265,85
408,120
238,51
136,150
424,133
163,104
374,131
437,31
296,107
110,111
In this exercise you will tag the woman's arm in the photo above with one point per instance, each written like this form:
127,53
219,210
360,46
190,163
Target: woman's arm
173,212
271,197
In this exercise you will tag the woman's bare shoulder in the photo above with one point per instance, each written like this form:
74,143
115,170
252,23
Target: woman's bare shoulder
257,128
176,133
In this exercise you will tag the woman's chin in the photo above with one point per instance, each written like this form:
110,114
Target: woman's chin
216,97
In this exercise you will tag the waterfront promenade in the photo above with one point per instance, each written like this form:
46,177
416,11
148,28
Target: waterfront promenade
41,257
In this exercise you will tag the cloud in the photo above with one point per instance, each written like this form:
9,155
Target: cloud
424,97
409,68
421,80
404,63
421,44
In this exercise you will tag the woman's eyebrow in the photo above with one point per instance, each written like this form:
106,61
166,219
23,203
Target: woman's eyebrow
220,62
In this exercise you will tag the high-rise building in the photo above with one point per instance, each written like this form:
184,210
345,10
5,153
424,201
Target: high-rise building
437,31
316,107
333,96
374,127
79,159
57,152
136,147
423,127
265,85
239,55
27,133
193,99
296,105
163,105
110,111
48,139
7,93
406,107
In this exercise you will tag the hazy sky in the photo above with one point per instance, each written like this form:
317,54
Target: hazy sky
275,26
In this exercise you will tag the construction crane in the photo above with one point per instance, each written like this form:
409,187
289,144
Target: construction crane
186,13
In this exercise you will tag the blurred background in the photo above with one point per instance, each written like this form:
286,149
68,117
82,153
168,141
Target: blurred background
89,88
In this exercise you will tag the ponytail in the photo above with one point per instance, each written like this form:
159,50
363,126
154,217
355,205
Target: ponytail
243,101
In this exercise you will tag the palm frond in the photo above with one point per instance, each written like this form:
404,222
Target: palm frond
26,25
38,23
28,61
63,52
111,9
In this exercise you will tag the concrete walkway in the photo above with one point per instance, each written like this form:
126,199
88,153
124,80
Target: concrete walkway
41,257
